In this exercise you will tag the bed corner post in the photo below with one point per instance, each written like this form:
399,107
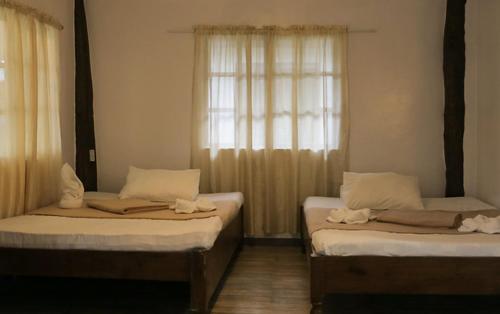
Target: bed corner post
303,230
317,290
198,282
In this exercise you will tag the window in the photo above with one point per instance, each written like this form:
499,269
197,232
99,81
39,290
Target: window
269,117
3,106
30,136
28,87
295,97
2,99
44,78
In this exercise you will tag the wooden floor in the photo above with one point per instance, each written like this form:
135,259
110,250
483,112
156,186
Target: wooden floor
266,280
263,280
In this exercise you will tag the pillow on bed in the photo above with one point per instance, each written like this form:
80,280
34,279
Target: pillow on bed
385,190
161,185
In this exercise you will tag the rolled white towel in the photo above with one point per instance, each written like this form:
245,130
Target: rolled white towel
481,223
189,207
337,215
203,204
349,216
72,189
184,206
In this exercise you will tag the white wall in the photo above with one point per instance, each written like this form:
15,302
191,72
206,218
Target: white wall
143,75
488,89
62,10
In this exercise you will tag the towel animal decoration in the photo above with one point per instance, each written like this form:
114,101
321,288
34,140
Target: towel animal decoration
71,188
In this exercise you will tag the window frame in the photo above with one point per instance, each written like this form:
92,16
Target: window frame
326,109
3,114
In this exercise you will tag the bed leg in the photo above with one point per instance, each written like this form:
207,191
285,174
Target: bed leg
317,308
317,285
199,294
303,229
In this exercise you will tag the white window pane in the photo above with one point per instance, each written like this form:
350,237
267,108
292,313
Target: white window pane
258,55
224,54
222,93
317,54
328,55
282,131
312,55
311,95
222,129
282,109
333,132
221,110
282,95
241,113
311,132
258,97
284,54
258,113
258,133
335,97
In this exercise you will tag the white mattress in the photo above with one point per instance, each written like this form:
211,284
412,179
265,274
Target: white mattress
50,232
353,242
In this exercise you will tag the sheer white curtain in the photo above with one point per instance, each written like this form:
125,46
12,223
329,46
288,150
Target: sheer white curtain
270,117
30,139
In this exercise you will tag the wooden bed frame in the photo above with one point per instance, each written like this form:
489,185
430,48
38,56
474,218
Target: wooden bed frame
398,275
203,269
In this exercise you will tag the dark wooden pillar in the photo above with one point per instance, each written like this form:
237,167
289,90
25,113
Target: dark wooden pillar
454,103
86,165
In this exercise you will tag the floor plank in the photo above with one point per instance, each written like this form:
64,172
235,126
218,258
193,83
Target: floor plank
266,279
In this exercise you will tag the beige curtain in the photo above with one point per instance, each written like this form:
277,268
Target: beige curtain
270,118
30,139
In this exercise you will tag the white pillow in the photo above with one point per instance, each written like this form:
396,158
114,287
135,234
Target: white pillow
161,185
385,190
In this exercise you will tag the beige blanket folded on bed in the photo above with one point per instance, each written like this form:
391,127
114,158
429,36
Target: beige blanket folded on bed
434,218
226,210
316,219
127,206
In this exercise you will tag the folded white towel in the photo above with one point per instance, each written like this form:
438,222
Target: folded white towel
205,205
481,223
184,206
189,207
349,216
71,188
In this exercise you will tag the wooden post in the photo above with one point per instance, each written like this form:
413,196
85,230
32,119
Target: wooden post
454,103
317,272
86,165
199,294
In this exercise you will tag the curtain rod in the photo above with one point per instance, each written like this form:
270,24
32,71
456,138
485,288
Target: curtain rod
189,31
27,10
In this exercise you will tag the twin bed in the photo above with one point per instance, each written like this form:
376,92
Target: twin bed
197,251
362,261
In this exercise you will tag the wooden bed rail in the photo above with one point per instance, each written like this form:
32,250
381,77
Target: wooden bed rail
203,269
432,275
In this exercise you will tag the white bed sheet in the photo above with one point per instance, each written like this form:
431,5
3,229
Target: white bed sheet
332,242
51,232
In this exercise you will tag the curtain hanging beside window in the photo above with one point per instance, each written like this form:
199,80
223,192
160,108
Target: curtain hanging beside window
270,117
30,139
